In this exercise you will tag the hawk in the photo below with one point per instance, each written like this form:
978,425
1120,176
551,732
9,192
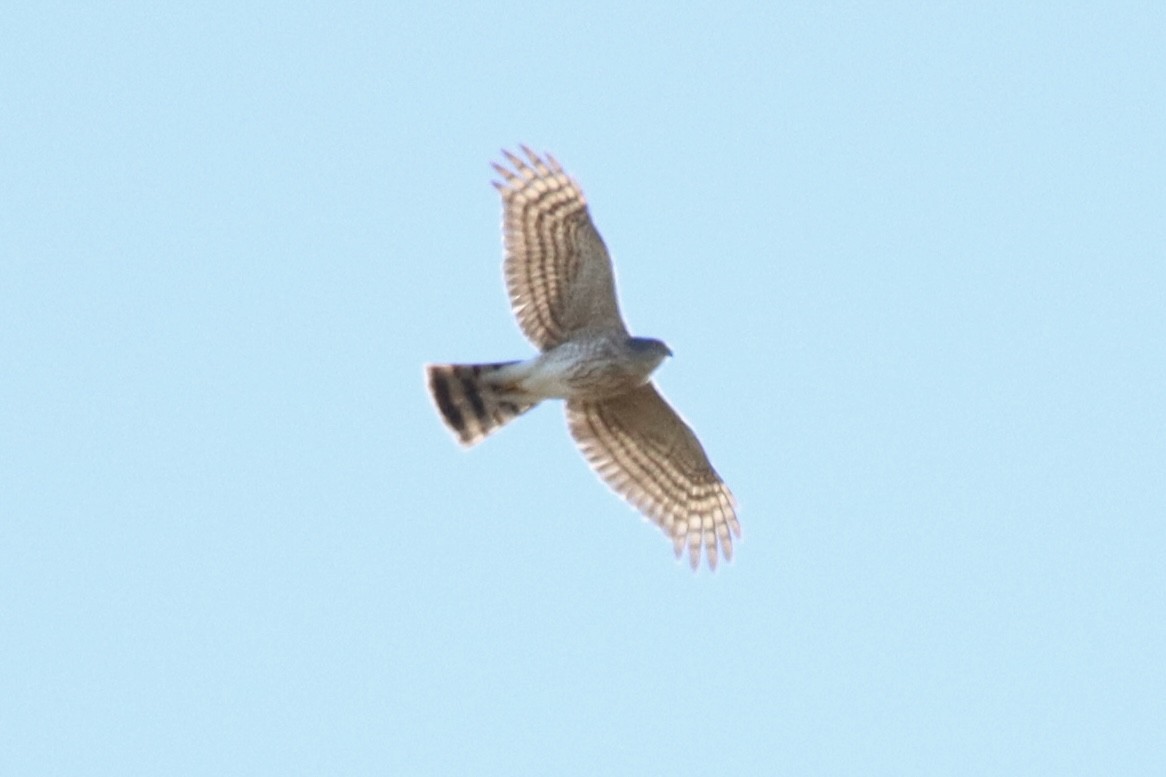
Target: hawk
562,290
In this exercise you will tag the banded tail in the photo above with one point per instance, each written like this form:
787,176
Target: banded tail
471,404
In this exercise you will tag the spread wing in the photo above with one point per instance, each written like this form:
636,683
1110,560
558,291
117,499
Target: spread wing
646,453
558,271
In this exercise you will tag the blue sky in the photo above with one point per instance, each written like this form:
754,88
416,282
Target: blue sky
911,264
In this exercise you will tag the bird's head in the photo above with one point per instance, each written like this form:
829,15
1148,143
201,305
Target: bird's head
649,349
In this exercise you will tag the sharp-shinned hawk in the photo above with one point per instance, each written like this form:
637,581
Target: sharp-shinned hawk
562,290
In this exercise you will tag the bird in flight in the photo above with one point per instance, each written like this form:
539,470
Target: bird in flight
562,290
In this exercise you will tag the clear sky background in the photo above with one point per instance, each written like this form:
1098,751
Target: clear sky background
912,264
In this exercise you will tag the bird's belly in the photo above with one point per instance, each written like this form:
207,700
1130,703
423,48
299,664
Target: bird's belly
583,378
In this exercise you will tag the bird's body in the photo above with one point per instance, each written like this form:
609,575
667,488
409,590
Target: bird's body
562,289
594,368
